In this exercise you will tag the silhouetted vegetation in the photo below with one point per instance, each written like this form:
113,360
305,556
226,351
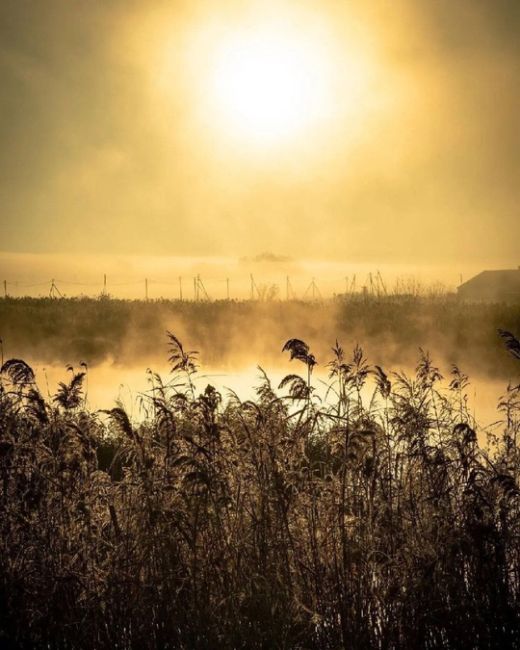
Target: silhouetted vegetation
227,332
283,522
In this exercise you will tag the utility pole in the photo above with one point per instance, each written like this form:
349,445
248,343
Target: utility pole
5,288
290,290
254,288
54,292
180,288
146,289
381,282
313,289
227,288
201,287
371,282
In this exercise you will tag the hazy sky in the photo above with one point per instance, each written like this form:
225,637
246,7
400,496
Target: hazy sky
112,141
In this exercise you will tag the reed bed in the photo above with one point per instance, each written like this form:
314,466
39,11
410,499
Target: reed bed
61,331
283,522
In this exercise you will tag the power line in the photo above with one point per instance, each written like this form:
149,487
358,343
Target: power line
175,287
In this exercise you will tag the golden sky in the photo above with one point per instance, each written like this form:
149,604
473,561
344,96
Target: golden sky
370,131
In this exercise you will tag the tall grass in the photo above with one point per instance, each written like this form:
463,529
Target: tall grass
59,331
280,522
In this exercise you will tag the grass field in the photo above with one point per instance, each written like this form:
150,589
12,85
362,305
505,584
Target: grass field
279,522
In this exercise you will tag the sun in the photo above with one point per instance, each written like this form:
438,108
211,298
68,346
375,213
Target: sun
268,86
267,83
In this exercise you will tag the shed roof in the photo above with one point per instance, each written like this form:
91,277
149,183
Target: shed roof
504,280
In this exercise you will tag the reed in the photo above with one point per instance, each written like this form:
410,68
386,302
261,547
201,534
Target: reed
286,521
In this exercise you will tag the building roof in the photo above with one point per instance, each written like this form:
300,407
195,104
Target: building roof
508,280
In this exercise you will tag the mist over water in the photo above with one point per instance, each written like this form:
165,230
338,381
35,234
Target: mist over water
120,340
108,384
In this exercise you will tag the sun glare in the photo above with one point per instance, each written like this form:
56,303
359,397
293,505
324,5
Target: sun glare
268,82
269,87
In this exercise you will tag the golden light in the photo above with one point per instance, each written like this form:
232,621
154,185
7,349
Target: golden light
264,84
268,86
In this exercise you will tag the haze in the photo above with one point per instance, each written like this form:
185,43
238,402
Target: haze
397,143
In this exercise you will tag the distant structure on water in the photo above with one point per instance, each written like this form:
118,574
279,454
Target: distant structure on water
492,286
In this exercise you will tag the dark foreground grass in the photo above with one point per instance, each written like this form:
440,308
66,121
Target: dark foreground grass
283,522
